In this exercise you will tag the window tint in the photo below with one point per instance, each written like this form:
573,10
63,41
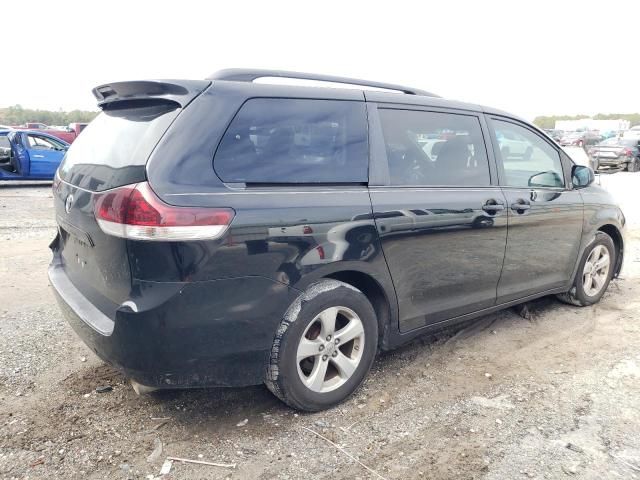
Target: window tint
430,148
528,160
295,141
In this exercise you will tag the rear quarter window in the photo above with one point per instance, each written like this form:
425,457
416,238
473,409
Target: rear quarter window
273,141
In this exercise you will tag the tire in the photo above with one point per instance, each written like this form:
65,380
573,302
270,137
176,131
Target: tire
292,381
578,294
633,166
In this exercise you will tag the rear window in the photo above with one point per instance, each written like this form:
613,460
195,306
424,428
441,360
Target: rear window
113,149
272,141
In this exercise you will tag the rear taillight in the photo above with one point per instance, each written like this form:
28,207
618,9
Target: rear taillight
136,213
307,230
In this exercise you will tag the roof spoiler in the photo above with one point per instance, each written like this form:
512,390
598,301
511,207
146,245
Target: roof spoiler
180,92
249,75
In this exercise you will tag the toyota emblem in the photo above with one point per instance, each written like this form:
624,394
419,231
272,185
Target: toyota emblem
68,203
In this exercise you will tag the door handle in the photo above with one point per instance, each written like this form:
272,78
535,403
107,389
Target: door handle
492,206
38,156
520,205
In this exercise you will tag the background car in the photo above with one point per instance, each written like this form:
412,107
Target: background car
67,134
513,145
555,134
29,155
580,139
608,134
616,153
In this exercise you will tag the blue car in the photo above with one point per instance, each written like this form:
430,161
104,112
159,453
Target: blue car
29,155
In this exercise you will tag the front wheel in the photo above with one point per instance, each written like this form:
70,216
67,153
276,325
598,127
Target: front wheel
594,272
324,346
633,165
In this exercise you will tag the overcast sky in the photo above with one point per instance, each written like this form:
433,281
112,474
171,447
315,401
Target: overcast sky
527,57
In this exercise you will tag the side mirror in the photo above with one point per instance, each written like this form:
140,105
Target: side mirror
582,176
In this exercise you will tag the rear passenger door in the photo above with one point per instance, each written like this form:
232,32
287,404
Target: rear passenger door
299,168
545,215
445,258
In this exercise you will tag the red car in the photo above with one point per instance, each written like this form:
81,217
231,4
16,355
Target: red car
69,134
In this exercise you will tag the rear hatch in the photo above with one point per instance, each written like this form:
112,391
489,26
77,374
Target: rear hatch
613,151
111,152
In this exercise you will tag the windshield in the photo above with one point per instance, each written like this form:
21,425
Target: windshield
114,148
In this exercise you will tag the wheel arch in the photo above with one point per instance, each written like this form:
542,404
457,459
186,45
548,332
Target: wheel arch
375,293
618,241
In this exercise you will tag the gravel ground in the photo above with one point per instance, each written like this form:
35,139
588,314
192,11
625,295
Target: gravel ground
556,396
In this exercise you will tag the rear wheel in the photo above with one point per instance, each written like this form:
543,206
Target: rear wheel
594,272
324,346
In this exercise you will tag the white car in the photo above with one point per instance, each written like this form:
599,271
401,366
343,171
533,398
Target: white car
513,145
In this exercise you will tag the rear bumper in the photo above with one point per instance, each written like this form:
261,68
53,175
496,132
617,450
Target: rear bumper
611,162
179,335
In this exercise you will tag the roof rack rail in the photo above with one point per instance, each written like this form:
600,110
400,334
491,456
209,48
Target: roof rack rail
249,75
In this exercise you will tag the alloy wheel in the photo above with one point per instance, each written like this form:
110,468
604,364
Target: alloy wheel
330,349
596,270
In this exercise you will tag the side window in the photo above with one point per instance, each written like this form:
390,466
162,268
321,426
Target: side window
41,143
528,160
431,148
274,140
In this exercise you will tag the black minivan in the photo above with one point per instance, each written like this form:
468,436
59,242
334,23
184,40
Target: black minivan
228,232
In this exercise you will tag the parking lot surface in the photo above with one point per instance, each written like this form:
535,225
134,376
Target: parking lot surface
553,396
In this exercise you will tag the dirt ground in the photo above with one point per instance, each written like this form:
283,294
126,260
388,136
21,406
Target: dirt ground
557,396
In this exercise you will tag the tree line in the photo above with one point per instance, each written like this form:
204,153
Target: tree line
17,115
550,121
